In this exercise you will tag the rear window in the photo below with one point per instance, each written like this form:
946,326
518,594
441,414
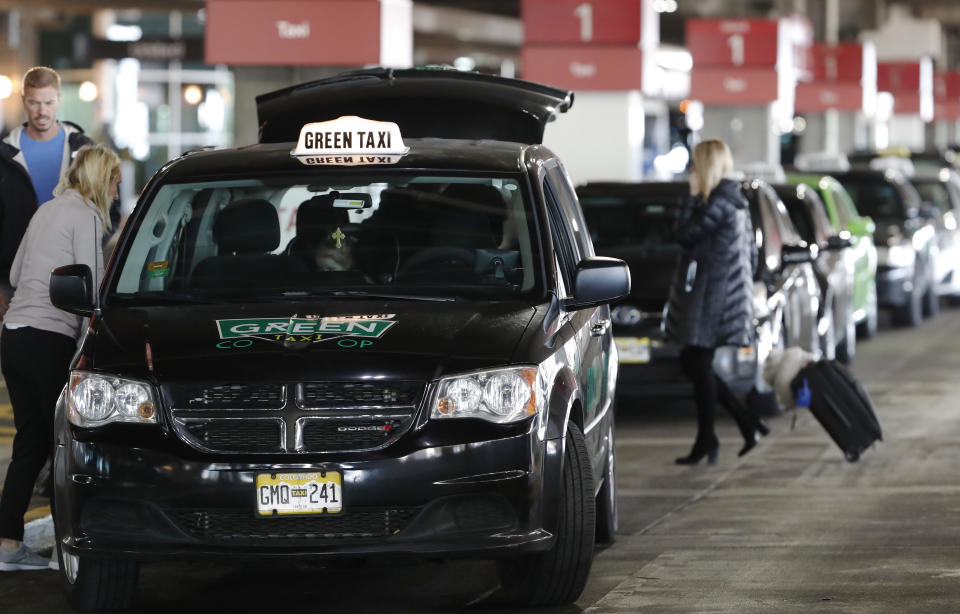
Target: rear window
635,220
934,192
299,236
876,198
800,216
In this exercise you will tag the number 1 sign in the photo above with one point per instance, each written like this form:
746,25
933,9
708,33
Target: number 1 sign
582,21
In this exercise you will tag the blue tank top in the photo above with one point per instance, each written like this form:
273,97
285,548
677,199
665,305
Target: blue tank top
43,163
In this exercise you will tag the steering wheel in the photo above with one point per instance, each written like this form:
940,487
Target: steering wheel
432,259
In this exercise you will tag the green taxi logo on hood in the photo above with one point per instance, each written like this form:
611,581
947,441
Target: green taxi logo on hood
303,329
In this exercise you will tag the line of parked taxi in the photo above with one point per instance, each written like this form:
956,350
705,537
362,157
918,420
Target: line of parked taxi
836,243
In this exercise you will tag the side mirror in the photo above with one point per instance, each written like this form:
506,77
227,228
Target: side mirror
599,280
796,254
71,289
840,241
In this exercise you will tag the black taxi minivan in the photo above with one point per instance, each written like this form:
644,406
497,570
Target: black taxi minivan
380,330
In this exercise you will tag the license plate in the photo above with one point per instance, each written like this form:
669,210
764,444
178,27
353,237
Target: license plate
633,349
283,494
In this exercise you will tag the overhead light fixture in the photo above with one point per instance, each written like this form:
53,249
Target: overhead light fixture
665,6
118,32
88,91
193,94
6,86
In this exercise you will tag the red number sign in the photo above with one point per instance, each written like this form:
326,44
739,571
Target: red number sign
733,42
723,86
898,76
837,62
581,21
292,32
946,86
579,67
819,96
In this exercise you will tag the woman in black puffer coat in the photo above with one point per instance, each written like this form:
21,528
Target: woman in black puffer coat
711,298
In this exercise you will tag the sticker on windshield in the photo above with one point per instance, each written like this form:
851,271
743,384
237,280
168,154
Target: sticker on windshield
161,268
306,330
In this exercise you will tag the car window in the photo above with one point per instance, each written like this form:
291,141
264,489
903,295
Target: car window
800,216
846,211
822,225
875,197
642,220
934,192
423,234
769,241
567,198
788,232
563,235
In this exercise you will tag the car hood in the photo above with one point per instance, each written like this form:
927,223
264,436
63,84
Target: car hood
342,340
423,103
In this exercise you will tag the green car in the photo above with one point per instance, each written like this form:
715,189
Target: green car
844,216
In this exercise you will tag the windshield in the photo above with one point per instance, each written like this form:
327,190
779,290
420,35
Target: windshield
390,236
875,197
642,221
934,192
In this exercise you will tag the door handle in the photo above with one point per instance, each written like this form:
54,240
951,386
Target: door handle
599,328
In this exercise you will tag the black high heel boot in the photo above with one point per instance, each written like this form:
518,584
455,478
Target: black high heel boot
751,436
710,449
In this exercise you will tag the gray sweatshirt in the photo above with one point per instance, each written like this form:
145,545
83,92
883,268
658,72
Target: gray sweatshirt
66,230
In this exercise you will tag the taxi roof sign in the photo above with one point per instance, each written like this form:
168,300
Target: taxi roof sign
349,136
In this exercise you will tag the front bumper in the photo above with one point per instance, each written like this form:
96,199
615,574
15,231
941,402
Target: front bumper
483,498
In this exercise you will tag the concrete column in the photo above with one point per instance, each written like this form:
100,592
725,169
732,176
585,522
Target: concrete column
601,137
748,131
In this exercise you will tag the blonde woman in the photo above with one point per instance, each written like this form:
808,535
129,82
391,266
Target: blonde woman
711,298
39,340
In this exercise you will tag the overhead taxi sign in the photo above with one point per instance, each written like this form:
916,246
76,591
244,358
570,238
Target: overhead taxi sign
349,141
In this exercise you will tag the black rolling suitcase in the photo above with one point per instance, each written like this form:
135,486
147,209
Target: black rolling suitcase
837,399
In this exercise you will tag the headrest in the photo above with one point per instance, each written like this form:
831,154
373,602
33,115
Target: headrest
479,193
316,216
248,225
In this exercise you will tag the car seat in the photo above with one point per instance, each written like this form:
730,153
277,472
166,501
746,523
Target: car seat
246,231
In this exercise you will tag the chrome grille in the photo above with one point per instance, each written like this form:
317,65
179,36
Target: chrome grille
228,396
340,435
357,394
238,434
293,417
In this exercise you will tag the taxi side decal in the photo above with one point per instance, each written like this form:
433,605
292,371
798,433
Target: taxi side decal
296,329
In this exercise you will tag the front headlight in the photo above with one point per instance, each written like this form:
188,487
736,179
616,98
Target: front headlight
499,395
97,399
899,256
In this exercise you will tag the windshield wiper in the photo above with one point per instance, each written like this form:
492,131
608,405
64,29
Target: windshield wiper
366,294
166,297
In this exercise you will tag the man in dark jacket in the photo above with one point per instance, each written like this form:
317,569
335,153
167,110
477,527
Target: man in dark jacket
33,158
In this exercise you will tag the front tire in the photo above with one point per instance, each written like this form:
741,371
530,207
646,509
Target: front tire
557,576
98,584
931,302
